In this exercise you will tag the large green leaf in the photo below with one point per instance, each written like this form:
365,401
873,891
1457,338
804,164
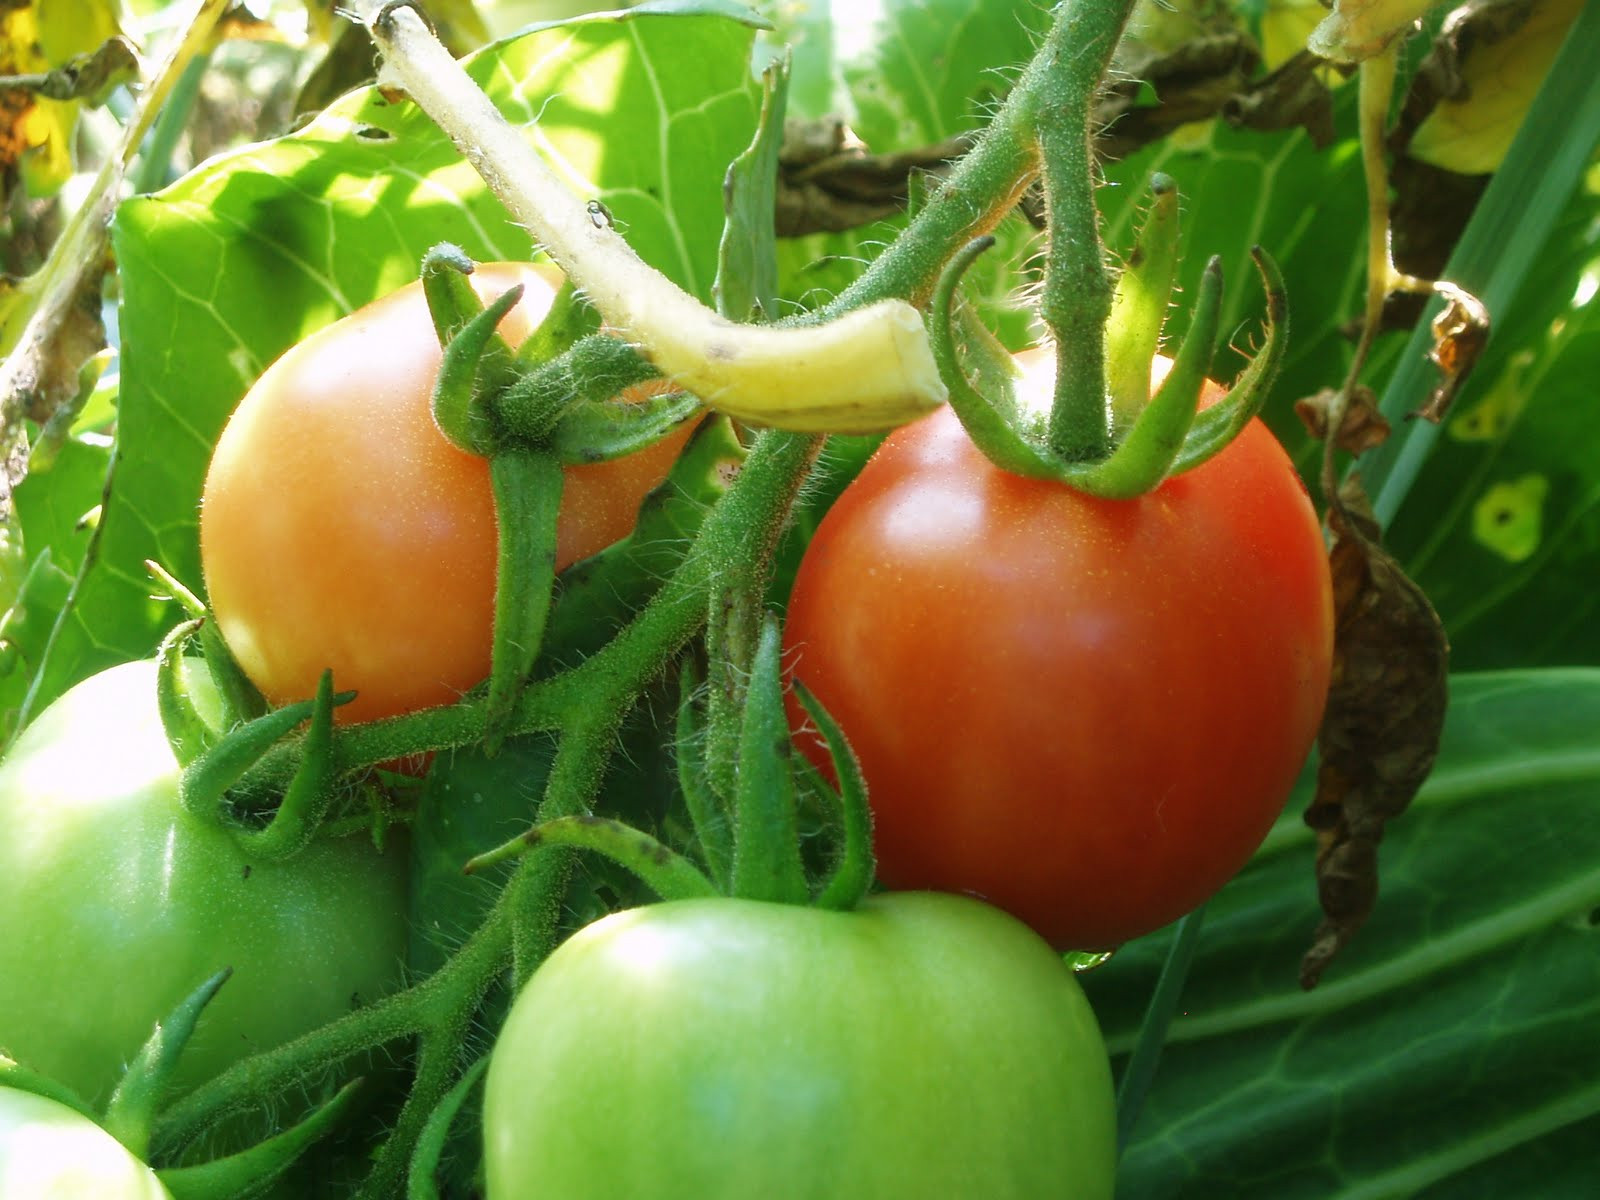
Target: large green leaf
249,253
1451,1050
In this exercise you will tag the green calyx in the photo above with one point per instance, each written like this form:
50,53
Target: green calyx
1153,437
531,413
204,786
559,392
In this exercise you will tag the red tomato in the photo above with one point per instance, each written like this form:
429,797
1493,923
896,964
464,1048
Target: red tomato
1088,712
339,528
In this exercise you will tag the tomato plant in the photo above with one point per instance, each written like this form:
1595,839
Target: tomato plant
1086,711
922,1045
50,1152
115,903
339,528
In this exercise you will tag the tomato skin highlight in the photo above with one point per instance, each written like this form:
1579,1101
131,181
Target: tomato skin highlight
115,903
922,1045
50,1152
1088,712
339,528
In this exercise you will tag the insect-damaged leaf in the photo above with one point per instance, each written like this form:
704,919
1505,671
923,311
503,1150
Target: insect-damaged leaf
1385,713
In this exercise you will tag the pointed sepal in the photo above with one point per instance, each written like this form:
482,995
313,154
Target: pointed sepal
766,849
188,732
1146,454
851,878
310,792
472,369
131,1111
1140,302
707,812
527,499
664,871
1218,425
598,431
985,421
204,784
251,1172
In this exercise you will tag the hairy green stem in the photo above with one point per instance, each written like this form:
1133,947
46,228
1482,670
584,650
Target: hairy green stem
984,186
456,987
438,1058
1063,81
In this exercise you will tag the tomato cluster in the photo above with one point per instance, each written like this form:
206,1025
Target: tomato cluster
1084,711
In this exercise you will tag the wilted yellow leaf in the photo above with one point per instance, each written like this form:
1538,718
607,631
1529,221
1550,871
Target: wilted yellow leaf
36,137
1285,26
1472,134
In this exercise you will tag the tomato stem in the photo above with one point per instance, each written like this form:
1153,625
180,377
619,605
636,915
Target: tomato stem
1146,453
668,874
1064,80
863,370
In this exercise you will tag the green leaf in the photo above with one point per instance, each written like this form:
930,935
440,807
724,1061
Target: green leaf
1451,1051
254,250
1502,525
747,286
908,74
51,510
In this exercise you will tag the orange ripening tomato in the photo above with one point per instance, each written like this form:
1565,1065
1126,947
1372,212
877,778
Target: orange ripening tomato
339,528
1088,712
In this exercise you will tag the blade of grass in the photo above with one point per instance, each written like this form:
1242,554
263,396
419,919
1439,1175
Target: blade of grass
1137,1076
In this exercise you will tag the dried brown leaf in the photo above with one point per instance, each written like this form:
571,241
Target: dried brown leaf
1361,426
1385,714
1293,96
1460,332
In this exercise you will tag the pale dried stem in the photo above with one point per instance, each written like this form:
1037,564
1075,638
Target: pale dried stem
869,369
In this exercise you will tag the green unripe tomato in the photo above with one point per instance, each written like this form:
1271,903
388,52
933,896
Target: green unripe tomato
924,1045
115,904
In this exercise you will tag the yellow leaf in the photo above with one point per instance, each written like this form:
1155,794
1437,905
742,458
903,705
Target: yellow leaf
36,133
1471,135
1285,26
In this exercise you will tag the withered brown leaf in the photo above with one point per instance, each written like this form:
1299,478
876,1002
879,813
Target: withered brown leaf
1361,425
1460,332
1380,735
